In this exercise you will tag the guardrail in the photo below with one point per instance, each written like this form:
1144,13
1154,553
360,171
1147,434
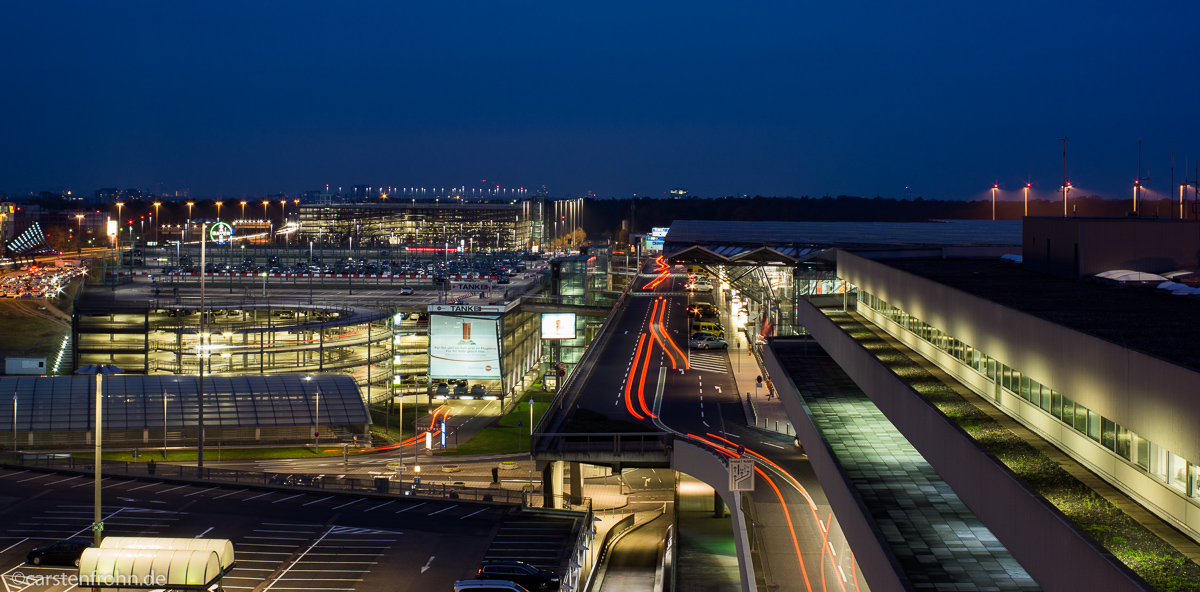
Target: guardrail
381,484
570,387
617,443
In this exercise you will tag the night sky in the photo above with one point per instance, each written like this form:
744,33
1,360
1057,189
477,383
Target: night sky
721,98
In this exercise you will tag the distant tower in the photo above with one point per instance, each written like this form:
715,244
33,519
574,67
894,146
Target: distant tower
907,192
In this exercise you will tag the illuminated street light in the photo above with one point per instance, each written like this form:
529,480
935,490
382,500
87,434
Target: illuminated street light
1027,198
995,186
243,210
218,211
1137,185
156,234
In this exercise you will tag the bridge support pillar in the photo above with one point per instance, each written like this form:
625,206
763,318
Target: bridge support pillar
576,476
718,505
552,484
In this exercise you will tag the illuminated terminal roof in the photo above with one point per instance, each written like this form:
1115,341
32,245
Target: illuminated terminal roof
714,241
132,402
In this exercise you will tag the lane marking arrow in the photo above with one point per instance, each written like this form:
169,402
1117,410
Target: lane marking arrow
427,564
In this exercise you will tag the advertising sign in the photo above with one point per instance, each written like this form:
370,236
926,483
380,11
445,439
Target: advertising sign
558,325
221,233
471,286
112,228
464,347
659,232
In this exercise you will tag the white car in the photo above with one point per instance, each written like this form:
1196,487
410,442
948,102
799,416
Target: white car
407,291
708,342
699,287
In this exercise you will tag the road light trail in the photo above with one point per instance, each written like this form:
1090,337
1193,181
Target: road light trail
632,375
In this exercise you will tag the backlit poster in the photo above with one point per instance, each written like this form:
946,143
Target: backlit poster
558,325
463,347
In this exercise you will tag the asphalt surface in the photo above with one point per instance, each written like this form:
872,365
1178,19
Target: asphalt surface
284,540
699,398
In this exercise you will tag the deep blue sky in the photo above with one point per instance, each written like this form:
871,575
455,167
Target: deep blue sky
786,98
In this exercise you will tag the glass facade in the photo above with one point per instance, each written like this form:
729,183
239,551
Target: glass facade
1166,467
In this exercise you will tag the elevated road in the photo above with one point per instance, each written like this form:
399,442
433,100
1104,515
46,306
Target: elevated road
645,374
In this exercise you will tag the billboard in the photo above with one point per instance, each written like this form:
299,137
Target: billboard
558,325
464,347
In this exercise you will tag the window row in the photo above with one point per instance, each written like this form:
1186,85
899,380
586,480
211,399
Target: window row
1168,468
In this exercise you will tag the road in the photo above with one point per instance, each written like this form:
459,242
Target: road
285,541
647,375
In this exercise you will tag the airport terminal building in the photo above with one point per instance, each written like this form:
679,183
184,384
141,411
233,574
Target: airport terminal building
1082,332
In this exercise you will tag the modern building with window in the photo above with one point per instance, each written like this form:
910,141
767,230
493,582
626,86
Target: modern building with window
1010,322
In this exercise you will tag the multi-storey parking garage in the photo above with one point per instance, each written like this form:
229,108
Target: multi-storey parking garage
472,226
241,336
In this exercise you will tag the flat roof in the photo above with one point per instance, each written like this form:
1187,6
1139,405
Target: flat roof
847,234
1140,318
135,402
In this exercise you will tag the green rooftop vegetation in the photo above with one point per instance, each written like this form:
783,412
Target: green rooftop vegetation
1156,561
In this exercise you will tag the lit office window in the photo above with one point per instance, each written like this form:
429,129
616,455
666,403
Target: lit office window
1159,461
1179,473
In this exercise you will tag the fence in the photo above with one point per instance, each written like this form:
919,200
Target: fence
216,476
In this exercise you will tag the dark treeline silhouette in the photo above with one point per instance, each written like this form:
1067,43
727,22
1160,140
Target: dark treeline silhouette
603,217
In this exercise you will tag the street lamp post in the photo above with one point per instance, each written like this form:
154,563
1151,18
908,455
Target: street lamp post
79,233
1027,198
218,210
157,237
243,210
317,423
117,236
99,371
202,353
995,186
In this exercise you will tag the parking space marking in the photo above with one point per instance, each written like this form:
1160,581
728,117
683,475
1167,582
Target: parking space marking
258,496
411,507
472,513
201,491
347,504
87,483
35,477
64,480
315,501
380,506
443,510
173,488
15,544
230,493
310,548
14,474
288,498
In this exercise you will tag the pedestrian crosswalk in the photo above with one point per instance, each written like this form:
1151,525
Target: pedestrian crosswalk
707,361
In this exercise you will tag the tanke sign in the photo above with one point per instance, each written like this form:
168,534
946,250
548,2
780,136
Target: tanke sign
471,286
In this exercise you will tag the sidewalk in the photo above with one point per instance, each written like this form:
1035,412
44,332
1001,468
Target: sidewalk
766,414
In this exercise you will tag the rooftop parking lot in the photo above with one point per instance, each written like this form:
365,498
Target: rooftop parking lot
284,540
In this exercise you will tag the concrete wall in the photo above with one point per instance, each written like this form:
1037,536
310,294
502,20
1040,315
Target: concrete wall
705,466
875,559
1150,396
1140,244
1036,533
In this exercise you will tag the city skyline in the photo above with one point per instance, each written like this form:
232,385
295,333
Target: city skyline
768,100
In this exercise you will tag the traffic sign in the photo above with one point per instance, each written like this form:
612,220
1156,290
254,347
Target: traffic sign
316,434
98,527
741,474
758,380
561,373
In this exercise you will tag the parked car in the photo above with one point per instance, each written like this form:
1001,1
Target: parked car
66,552
460,388
522,573
708,343
488,586
477,390
443,390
